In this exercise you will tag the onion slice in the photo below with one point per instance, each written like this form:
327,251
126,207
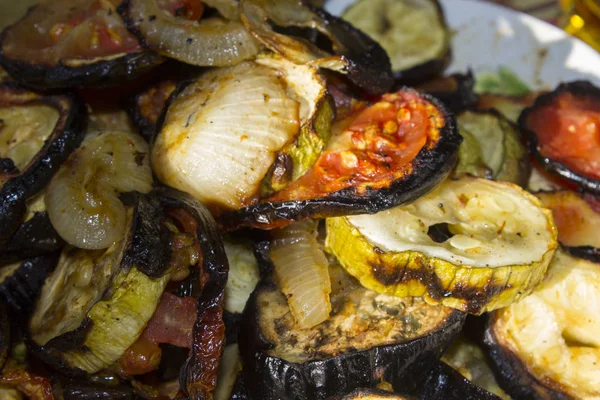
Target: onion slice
213,41
83,198
302,272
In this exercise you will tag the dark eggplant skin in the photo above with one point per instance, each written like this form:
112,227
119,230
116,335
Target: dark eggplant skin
22,287
577,88
445,383
512,375
586,252
363,393
34,237
81,390
64,139
456,91
4,333
404,365
199,373
429,168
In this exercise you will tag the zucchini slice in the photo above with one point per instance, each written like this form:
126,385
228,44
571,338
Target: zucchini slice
68,43
384,155
277,121
500,144
37,133
546,346
562,130
471,244
176,29
413,33
509,106
577,218
368,338
349,50
456,91
96,303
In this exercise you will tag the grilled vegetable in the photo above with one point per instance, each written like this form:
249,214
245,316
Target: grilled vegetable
37,133
18,383
504,82
456,91
229,370
371,394
174,28
466,357
577,220
509,106
72,43
562,129
367,339
471,244
92,391
500,144
384,155
146,107
4,333
302,272
20,282
355,54
96,304
83,198
546,346
414,34
470,158
278,120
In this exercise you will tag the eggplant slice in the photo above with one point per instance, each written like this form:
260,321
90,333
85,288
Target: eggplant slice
577,218
368,338
348,50
471,244
499,143
375,160
546,346
146,107
413,33
174,28
76,43
562,129
278,122
38,133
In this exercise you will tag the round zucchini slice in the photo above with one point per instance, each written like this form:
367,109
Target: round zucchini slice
546,346
37,134
578,221
176,29
382,156
68,43
348,51
413,33
500,145
369,338
562,129
236,132
96,303
471,244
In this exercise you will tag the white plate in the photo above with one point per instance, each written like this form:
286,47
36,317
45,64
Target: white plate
488,35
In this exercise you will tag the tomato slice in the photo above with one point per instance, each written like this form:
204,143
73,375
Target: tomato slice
568,131
374,149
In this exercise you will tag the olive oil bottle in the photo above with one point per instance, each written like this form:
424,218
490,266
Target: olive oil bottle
582,19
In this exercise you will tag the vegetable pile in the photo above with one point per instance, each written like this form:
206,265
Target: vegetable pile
255,199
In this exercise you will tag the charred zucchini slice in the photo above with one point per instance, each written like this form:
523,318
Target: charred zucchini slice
471,244
384,155
69,43
37,133
174,28
355,54
456,91
20,282
413,33
369,338
546,346
500,145
578,221
278,118
96,303
562,129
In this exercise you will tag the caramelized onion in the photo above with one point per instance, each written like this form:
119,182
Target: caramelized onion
302,271
83,198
